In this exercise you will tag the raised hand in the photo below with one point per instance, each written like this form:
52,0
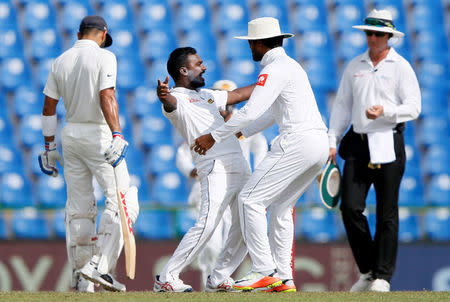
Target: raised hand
162,90
374,112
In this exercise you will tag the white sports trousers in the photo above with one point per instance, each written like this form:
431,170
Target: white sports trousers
221,180
83,146
277,183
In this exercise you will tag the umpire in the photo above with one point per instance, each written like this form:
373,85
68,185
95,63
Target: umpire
378,93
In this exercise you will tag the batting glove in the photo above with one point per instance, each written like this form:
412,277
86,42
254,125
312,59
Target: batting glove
47,159
117,150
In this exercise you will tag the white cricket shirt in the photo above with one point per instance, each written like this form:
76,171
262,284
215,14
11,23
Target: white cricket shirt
197,113
392,84
282,86
78,76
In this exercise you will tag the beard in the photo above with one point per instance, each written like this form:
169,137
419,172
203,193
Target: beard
256,57
196,82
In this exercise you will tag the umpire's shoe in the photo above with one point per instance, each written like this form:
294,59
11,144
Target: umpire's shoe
90,272
176,286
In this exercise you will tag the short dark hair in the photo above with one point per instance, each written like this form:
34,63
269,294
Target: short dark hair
273,42
177,59
89,30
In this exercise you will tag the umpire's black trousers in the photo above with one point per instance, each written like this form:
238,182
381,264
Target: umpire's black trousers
378,254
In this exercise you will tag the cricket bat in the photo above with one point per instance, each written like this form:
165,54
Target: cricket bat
127,228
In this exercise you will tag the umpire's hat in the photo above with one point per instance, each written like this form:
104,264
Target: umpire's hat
329,182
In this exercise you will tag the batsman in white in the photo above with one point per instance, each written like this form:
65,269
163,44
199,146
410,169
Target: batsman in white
283,95
257,145
92,145
194,111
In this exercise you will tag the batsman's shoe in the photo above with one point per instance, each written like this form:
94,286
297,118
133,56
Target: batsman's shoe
90,272
363,283
225,286
286,287
84,286
256,281
379,285
176,286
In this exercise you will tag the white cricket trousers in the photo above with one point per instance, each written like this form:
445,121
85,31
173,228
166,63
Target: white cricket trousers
83,146
221,180
293,162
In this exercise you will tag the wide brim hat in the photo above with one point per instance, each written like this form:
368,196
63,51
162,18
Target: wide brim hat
380,20
330,183
264,28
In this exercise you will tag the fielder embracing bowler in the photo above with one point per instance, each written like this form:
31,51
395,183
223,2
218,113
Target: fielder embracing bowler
222,173
92,144
297,154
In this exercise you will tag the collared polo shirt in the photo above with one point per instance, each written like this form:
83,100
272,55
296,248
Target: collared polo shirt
78,76
392,83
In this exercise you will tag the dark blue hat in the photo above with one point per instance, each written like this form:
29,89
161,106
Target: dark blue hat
96,22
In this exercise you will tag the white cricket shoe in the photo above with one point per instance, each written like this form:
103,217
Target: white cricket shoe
380,285
256,281
225,286
90,272
84,286
363,283
176,286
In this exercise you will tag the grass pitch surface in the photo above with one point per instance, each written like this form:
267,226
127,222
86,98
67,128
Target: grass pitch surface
226,297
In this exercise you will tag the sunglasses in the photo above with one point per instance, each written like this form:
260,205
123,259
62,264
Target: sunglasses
376,33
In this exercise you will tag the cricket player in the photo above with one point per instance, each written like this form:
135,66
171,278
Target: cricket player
194,111
283,95
257,145
92,144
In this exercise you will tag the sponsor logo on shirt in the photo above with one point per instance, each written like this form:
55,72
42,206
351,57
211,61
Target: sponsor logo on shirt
358,75
210,101
262,79
192,100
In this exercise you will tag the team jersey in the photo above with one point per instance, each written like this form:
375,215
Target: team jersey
284,88
78,76
197,113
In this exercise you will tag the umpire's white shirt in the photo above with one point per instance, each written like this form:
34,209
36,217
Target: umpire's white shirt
197,113
283,87
78,75
392,83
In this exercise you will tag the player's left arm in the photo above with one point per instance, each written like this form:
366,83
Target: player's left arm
110,108
408,92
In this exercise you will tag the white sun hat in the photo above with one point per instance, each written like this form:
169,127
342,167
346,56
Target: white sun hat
224,85
380,20
264,28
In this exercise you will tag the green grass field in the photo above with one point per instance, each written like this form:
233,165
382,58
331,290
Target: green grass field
226,297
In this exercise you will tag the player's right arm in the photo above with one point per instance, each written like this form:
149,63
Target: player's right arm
169,101
240,94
